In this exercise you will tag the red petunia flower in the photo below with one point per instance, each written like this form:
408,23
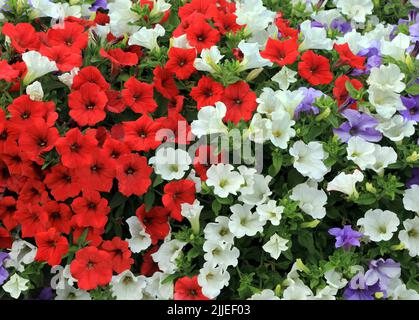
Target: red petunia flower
99,174
90,74
93,235
139,96
6,240
120,254
315,68
90,210
140,134
150,4
149,267
181,62
7,72
176,193
155,222
59,216
33,219
75,148
205,156
226,22
52,246
281,52
92,268
23,36
7,211
65,58
285,30
16,159
116,102
195,6
72,36
63,182
340,92
113,149
176,128
87,105
207,92
164,82
188,289
119,58
176,103
201,35
37,139
346,57
33,191
133,174
19,66
240,102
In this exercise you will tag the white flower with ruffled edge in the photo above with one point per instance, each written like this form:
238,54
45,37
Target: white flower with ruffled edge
379,225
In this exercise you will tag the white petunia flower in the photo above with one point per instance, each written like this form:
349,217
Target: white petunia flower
281,129
268,102
314,38
259,191
212,280
35,92
219,231
209,60
346,183
251,57
167,255
37,65
361,152
270,211
357,10
284,78
71,293
354,40
243,221
260,129
210,120
122,18
147,38
308,159
335,279
265,294
67,78
310,199
386,102
224,180
171,163
182,42
384,156
220,254
21,254
411,199
289,100
397,128
379,225
192,212
409,237
140,240
126,286
275,246
387,78
396,48
156,289
159,7
326,17
16,285
297,290
254,15
326,293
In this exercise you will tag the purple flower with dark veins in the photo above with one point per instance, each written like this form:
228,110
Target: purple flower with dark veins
306,105
381,272
341,25
346,237
4,274
357,289
412,108
358,125
414,179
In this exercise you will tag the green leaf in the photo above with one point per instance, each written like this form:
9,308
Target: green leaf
117,200
413,90
149,200
216,207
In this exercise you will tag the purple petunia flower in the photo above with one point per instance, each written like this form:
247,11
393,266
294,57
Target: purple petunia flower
360,125
381,272
99,4
357,289
415,178
342,25
306,106
414,31
4,274
412,108
373,56
346,237
45,294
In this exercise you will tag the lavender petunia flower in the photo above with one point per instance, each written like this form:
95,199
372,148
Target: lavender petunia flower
99,4
346,237
414,31
45,294
415,178
357,289
381,272
306,106
341,25
360,125
4,274
412,108
373,56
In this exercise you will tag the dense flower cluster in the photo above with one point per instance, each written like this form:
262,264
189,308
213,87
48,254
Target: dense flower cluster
208,149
